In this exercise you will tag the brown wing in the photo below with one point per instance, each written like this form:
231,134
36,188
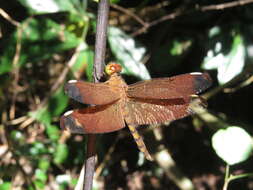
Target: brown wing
91,93
142,111
174,87
94,119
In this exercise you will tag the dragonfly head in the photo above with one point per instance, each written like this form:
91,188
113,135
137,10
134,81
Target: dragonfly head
113,68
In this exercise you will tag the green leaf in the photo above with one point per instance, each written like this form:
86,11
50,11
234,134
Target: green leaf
41,38
41,175
44,164
128,53
38,148
61,153
39,184
50,6
42,115
232,144
228,65
179,47
53,132
17,135
5,186
58,102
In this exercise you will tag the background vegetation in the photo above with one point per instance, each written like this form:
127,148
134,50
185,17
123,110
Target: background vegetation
45,43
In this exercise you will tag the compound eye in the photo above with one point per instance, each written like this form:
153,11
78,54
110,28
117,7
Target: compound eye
113,68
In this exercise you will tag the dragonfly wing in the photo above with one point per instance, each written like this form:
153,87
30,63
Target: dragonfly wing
91,93
174,87
143,111
94,119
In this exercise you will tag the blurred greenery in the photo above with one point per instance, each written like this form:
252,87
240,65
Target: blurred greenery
45,43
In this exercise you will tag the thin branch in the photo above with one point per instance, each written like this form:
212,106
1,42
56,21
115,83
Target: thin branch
130,13
16,72
225,5
8,18
100,46
98,70
197,8
171,16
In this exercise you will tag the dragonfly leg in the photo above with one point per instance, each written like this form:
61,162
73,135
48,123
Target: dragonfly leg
139,141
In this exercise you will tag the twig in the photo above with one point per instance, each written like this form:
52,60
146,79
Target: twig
242,76
8,18
16,72
130,13
98,70
225,5
15,60
168,165
100,46
197,8
155,22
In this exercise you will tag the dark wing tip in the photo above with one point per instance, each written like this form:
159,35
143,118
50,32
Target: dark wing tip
202,81
68,122
73,91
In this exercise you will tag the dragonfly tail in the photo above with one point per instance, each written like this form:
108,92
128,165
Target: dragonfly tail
139,141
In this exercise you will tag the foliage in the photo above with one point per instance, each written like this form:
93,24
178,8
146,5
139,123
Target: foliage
45,43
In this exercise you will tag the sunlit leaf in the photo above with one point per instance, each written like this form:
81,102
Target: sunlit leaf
228,65
49,6
61,153
128,53
40,175
65,178
39,184
233,144
214,31
5,186
38,148
179,47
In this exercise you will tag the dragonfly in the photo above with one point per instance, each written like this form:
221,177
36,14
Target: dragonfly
117,104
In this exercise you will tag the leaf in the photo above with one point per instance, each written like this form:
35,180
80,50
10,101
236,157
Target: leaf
58,102
228,65
50,6
40,175
39,184
44,164
233,144
38,148
65,178
5,186
127,53
41,38
179,47
42,115
61,153
53,132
